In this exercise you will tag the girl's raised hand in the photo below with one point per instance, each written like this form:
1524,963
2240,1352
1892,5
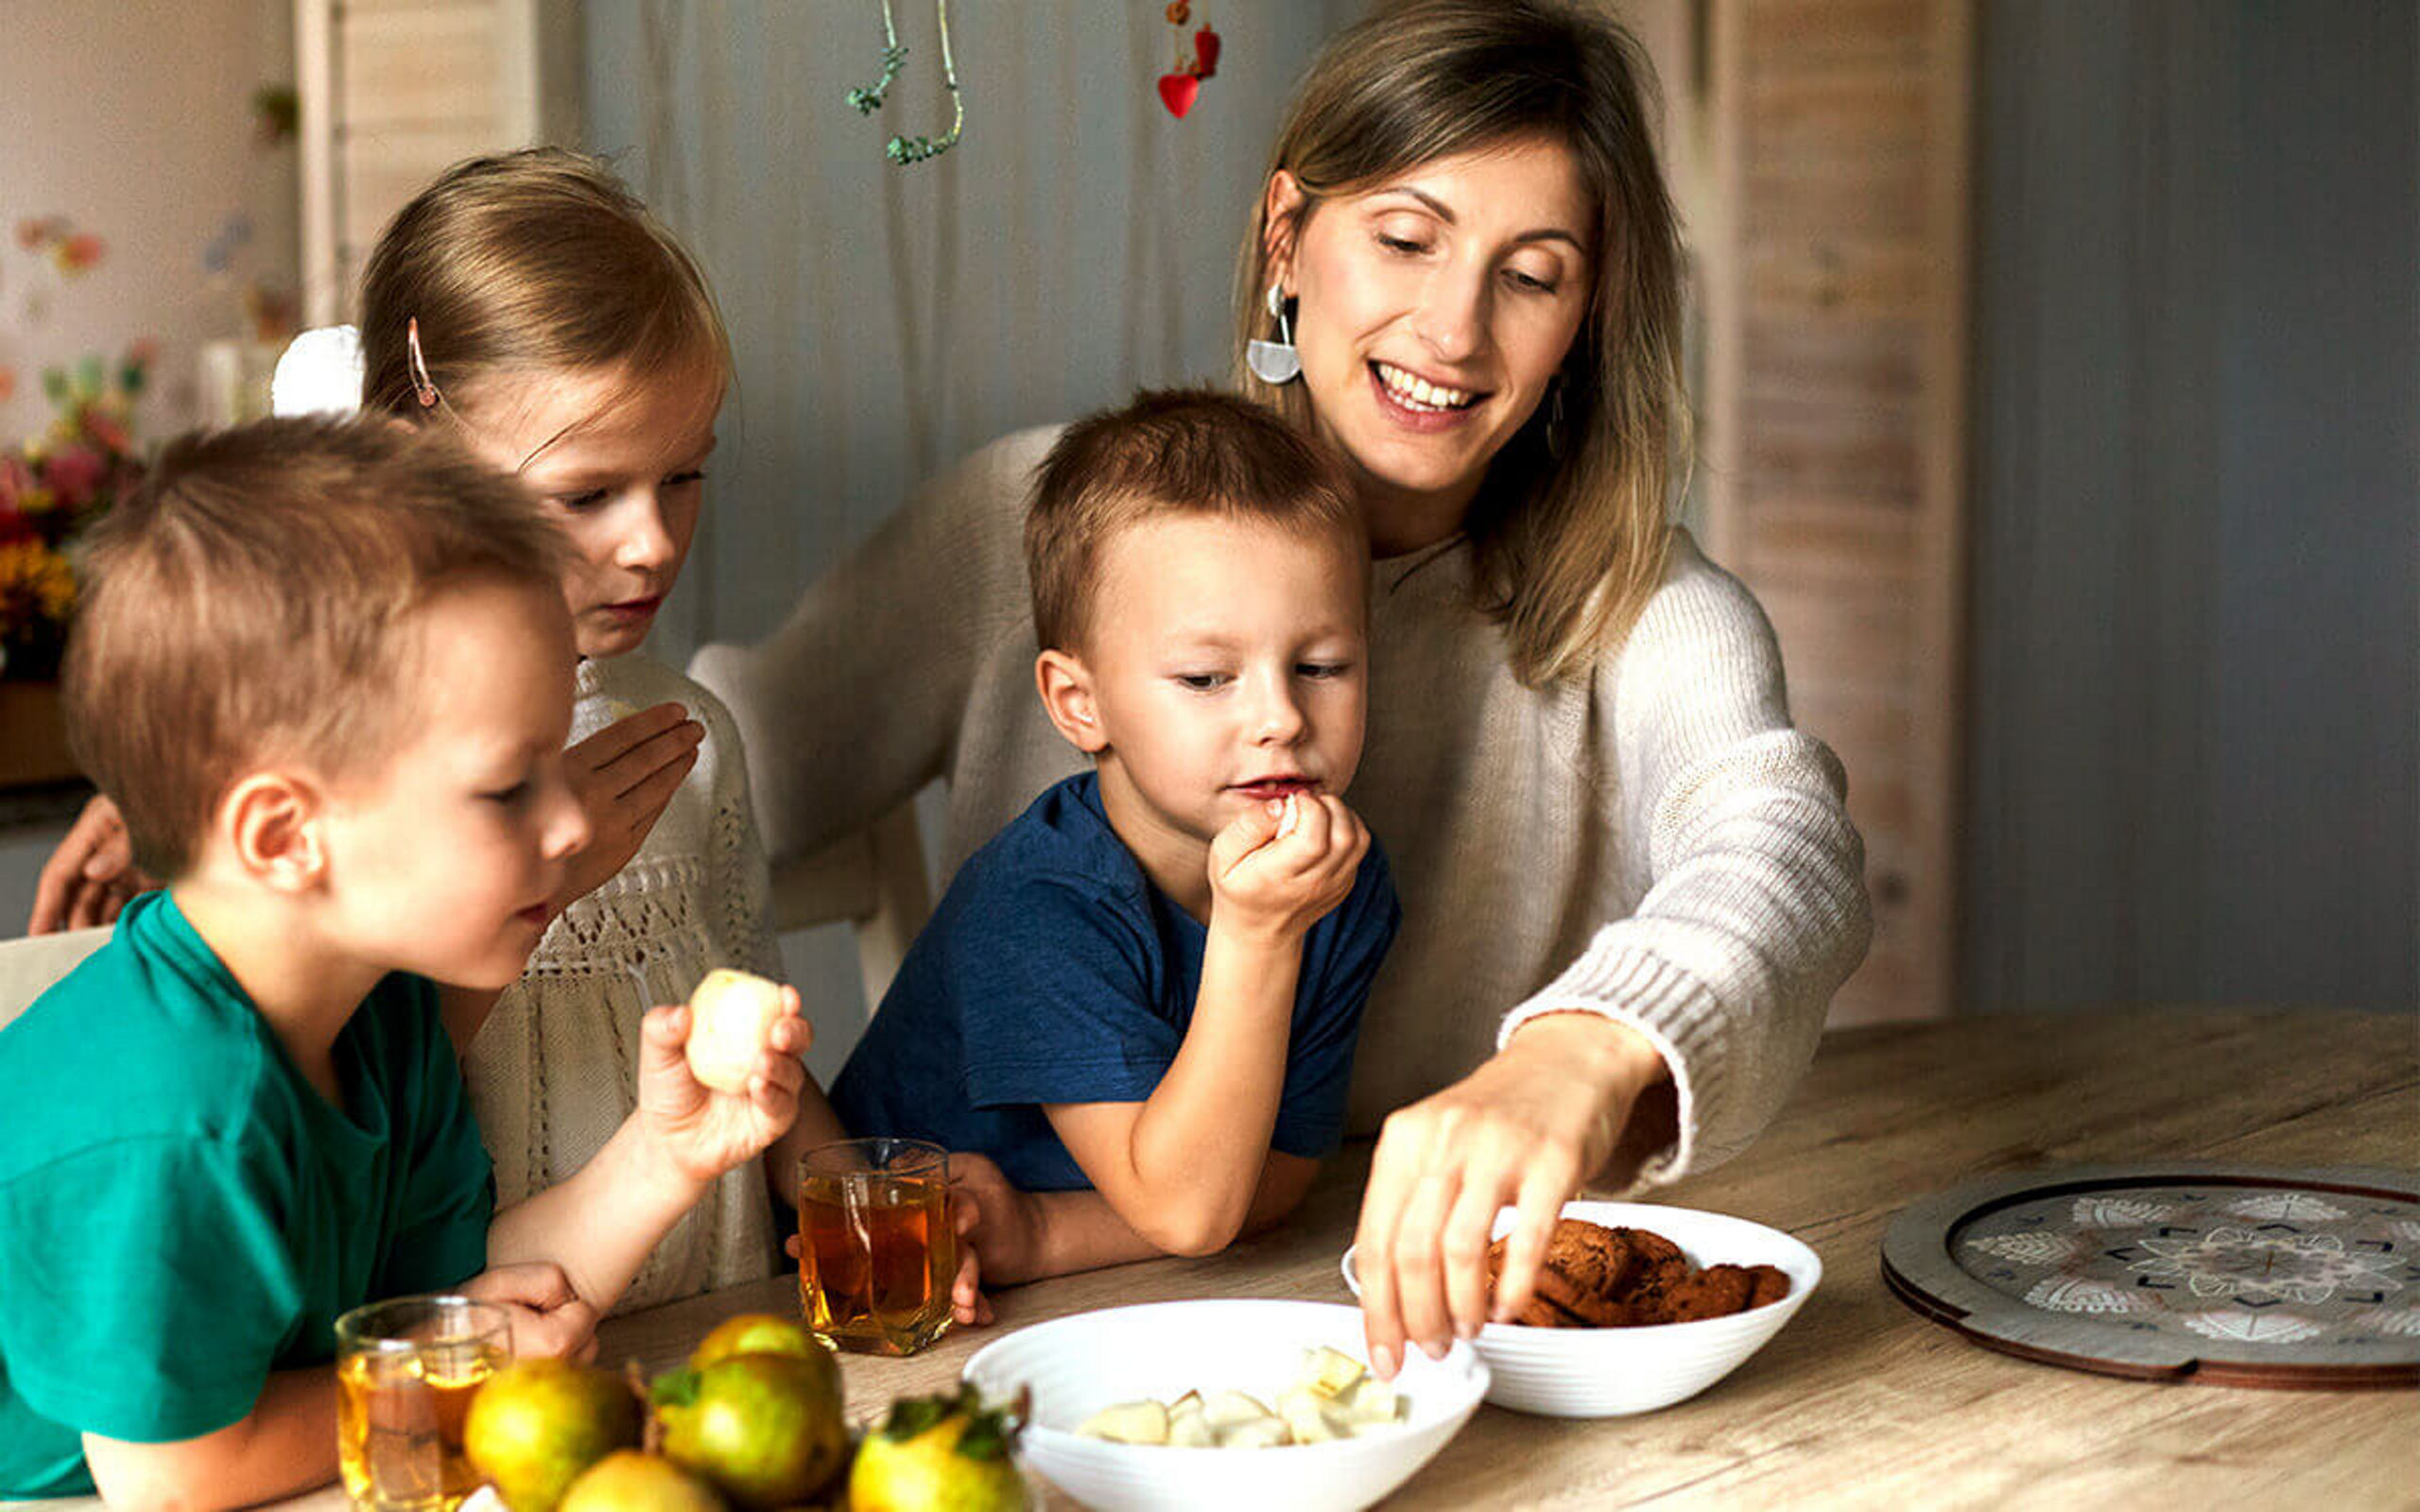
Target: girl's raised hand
705,1132
624,775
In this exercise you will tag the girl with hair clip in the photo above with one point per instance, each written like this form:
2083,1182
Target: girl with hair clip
1628,887
532,304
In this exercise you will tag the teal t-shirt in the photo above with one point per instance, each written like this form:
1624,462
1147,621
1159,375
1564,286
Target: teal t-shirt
181,1212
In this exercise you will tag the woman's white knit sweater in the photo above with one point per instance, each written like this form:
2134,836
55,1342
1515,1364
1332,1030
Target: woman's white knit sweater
1653,842
554,1070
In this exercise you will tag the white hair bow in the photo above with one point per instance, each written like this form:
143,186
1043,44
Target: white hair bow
320,373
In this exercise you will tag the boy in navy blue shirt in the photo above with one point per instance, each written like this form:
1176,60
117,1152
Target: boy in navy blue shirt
1140,999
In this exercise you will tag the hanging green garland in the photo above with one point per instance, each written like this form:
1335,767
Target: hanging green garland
906,150
895,57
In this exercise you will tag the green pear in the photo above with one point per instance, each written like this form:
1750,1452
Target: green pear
536,1424
940,1455
763,1429
756,1333
628,1480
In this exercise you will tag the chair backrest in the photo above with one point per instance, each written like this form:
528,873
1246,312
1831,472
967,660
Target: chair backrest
29,966
874,879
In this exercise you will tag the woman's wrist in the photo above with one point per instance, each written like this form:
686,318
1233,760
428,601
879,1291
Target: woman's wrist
1631,1082
1603,1049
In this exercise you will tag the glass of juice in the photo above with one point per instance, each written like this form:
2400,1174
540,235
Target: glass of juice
405,1371
876,1251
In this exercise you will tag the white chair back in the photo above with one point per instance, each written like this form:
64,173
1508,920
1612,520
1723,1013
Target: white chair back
29,966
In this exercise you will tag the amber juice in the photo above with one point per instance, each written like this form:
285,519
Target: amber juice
876,1252
399,1424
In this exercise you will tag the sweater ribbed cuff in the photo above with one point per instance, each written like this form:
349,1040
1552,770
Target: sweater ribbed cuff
1677,1014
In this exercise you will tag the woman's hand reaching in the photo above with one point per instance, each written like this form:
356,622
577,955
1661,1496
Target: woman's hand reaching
1525,1129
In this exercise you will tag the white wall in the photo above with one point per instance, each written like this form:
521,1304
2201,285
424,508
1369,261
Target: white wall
134,118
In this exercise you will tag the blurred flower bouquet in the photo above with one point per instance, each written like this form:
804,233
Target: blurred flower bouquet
52,487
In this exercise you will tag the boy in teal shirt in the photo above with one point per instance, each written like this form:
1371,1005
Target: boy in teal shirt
324,669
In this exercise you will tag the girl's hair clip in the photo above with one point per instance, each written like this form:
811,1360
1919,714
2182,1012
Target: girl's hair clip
424,387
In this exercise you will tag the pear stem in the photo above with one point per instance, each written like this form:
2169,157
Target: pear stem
651,1428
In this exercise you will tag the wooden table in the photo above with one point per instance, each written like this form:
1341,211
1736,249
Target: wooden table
1857,1400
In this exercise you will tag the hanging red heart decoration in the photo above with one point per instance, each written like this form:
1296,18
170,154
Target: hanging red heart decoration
1177,92
1205,53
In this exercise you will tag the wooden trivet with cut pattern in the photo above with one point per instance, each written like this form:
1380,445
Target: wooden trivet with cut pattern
2238,1276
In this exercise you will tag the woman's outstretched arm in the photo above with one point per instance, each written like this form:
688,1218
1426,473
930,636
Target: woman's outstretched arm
1675,1036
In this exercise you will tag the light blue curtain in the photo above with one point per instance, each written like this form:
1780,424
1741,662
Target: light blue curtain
1078,243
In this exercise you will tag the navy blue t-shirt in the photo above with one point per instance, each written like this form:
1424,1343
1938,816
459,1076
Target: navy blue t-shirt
1053,972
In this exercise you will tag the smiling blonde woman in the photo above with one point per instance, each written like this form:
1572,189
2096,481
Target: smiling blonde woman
1628,887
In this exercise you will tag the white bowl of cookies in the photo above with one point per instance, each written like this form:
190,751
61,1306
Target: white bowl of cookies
1251,1403
1640,1306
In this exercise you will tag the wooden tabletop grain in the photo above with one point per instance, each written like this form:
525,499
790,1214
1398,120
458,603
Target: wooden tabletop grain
1859,1402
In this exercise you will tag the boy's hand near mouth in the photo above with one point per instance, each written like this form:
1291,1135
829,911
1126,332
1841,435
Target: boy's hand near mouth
1283,864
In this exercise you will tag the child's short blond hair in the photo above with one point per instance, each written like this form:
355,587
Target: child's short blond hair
1172,452
248,603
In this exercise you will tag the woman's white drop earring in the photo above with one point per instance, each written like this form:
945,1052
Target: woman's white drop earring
1275,362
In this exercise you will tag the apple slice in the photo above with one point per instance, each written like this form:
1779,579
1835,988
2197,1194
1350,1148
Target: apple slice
1229,1408
1330,1372
1370,1403
1308,1413
1187,1427
1129,1422
1259,1433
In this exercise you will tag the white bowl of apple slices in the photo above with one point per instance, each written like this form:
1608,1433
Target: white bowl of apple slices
1223,1404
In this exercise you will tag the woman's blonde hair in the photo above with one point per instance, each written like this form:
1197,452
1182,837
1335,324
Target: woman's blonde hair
1572,529
528,261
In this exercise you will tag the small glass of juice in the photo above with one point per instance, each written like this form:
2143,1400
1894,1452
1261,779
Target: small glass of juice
407,1369
876,1250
